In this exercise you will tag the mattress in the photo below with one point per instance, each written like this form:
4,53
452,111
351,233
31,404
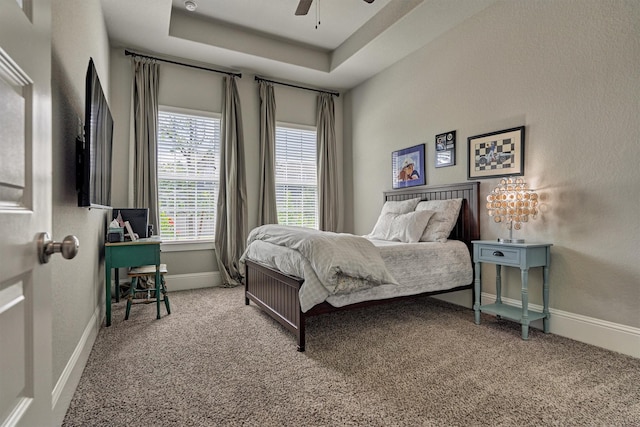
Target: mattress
418,268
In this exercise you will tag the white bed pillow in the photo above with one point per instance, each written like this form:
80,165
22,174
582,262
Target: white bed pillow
401,207
442,222
406,228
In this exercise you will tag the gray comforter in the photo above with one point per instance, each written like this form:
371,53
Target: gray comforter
332,263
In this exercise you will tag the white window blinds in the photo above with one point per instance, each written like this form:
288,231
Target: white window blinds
296,182
188,162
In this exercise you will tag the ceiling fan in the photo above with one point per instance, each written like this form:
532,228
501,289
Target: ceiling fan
304,5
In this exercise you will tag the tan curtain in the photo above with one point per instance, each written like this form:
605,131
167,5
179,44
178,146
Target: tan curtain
145,169
231,215
267,210
327,164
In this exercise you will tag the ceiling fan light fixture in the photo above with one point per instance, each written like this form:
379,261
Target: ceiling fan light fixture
191,5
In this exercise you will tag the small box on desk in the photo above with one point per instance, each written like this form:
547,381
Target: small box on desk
115,234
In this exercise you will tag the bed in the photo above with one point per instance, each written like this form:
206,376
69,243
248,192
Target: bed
278,293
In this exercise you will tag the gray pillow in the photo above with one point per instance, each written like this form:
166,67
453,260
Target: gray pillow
442,222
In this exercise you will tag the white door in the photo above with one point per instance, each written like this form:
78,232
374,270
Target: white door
25,210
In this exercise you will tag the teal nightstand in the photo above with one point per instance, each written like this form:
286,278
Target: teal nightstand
525,256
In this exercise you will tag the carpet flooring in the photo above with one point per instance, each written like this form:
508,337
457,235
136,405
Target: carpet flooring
216,362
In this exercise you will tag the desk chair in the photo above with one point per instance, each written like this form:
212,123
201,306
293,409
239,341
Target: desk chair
147,271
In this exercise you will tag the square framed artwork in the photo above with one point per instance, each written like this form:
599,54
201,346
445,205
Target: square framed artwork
407,167
496,154
445,149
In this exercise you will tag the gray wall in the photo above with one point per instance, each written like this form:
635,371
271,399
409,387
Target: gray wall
566,70
78,32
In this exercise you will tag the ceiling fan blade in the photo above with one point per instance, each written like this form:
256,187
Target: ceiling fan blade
303,7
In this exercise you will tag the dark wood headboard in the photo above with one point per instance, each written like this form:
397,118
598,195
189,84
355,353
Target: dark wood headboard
467,227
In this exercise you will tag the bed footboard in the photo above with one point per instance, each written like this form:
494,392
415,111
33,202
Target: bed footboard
277,295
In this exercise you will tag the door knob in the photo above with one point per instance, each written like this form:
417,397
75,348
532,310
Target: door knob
68,248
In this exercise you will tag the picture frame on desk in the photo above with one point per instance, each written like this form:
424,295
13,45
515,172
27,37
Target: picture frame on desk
132,235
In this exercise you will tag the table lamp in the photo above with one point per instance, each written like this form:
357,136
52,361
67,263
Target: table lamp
511,203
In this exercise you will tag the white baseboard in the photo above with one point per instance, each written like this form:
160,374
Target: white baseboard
183,282
68,382
612,336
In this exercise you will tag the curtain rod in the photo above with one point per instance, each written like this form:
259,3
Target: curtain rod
129,53
298,87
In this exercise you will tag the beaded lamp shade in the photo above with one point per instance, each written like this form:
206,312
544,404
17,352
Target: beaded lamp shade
511,203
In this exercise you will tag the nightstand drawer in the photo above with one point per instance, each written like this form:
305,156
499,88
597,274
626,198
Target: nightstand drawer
499,255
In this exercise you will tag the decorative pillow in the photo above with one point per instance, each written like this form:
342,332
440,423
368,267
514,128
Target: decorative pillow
407,228
442,222
404,206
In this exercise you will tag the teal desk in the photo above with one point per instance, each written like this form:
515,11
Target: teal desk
129,254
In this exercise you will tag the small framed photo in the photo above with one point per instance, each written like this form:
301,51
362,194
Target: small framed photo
496,154
407,166
133,236
446,149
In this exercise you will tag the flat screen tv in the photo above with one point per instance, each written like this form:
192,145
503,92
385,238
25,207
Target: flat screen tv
93,152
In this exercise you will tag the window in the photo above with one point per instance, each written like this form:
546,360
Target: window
188,162
296,182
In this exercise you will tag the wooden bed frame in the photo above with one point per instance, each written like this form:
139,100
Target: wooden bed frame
277,293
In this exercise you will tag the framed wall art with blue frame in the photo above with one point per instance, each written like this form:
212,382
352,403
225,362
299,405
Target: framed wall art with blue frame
408,167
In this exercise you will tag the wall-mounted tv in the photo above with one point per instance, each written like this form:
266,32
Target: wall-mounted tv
93,152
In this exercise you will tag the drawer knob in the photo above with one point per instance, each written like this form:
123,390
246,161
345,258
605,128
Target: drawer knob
498,253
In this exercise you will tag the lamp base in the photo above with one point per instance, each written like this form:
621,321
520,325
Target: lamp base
510,240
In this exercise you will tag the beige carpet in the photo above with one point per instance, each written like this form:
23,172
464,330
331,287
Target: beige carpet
216,362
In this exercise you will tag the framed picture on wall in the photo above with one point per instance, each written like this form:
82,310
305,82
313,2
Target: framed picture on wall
408,167
496,154
446,149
